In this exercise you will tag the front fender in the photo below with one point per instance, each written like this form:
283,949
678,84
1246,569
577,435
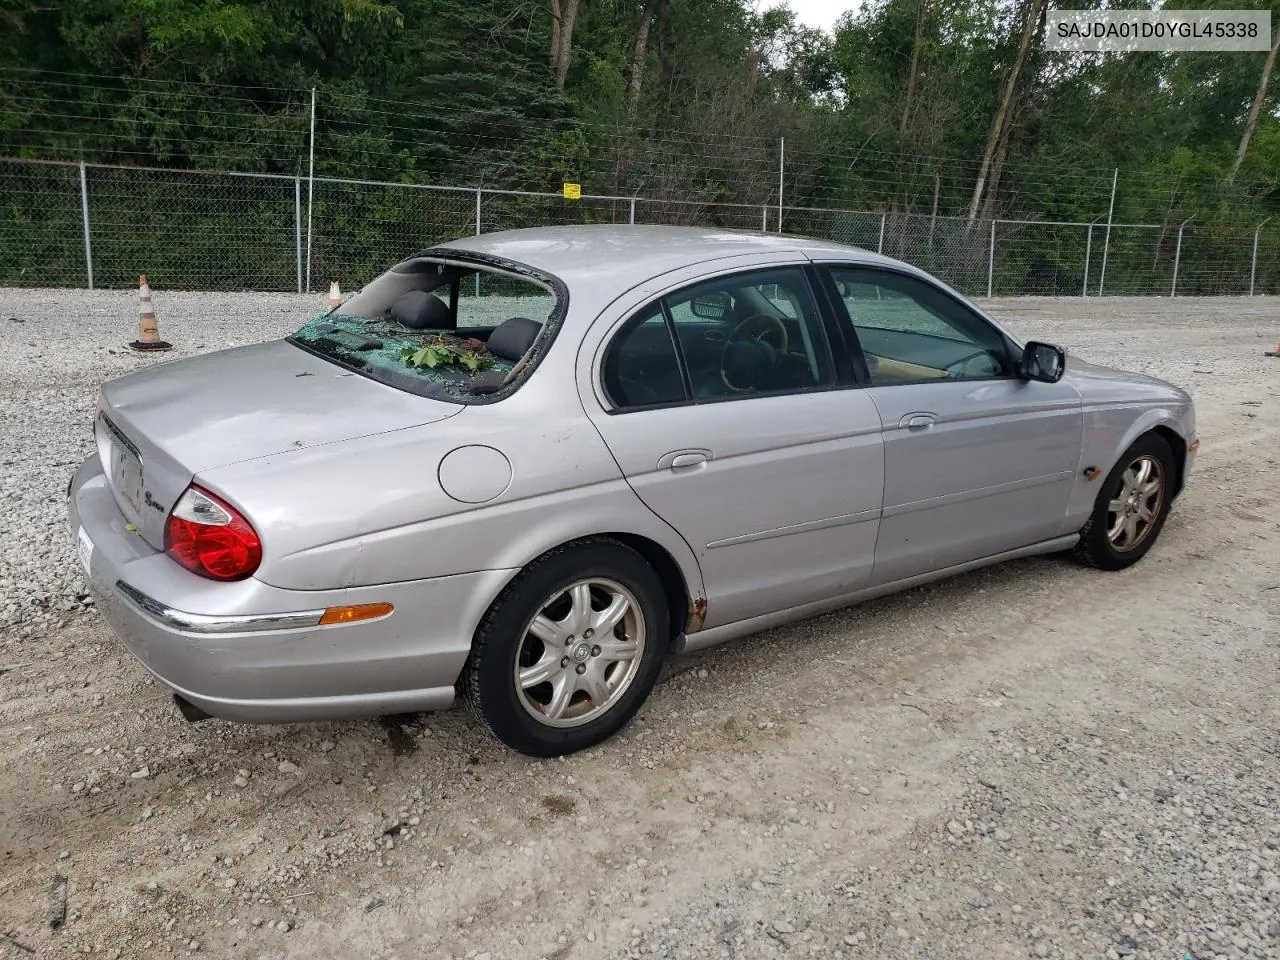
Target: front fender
1109,430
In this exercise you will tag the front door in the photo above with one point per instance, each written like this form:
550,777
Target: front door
977,461
722,409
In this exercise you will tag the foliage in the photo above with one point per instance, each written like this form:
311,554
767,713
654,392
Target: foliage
463,92
440,354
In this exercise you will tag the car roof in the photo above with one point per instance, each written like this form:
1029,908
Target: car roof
619,256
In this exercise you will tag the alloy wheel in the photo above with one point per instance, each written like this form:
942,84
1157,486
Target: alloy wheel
580,652
1135,504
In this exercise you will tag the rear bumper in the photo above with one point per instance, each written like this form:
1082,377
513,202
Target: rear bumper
251,652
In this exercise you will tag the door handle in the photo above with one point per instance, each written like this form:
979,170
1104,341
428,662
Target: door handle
688,460
918,421
683,458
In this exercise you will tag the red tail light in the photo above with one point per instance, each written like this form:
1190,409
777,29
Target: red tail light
210,537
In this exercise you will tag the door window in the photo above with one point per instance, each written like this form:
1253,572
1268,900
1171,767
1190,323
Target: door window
751,334
910,331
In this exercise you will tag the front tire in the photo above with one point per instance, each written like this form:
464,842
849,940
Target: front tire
1131,508
570,649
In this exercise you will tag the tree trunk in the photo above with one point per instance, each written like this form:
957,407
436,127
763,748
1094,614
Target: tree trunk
922,8
755,59
1254,110
664,40
555,34
641,47
993,176
565,49
1029,25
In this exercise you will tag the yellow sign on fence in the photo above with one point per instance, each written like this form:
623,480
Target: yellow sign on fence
573,191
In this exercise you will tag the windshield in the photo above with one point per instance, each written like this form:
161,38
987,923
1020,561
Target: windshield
441,328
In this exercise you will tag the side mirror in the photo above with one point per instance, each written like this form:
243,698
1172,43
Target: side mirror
713,306
1042,361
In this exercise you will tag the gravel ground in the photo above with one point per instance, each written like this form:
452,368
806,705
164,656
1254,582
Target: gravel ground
1034,760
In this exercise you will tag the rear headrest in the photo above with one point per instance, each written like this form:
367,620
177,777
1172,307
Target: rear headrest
419,310
512,338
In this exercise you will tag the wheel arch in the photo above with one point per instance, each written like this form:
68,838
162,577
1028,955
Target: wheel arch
1161,422
685,610
687,606
1178,444
1108,432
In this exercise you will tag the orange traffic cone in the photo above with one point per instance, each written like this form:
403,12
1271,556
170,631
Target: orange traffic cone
148,331
335,294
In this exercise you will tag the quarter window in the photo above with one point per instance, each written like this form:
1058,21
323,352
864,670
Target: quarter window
747,335
641,368
910,331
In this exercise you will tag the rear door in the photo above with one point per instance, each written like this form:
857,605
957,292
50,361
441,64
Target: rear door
721,403
977,460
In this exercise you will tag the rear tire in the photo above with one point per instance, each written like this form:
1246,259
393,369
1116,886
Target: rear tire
1132,505
570,649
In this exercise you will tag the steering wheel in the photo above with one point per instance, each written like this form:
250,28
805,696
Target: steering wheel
746,360
771,324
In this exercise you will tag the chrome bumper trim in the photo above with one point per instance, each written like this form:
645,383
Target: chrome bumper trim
201,623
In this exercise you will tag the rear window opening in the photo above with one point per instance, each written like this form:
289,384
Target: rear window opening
442,328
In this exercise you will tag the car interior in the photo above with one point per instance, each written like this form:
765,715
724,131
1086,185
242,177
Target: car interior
743,335
905,338
424,303
427,311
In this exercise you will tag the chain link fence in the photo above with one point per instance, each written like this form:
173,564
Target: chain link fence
1047,258
95,225
42,237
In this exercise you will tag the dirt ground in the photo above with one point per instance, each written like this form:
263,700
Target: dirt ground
1035,760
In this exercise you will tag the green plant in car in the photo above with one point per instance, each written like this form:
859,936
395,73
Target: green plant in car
440,354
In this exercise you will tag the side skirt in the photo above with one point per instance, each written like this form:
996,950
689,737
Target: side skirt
732,631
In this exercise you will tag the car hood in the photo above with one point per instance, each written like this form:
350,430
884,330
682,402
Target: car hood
187,416
1096,382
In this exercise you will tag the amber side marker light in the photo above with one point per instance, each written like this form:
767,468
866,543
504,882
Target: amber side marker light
1195,445
361,611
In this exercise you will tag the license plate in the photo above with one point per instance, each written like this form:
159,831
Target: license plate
126,475
84,547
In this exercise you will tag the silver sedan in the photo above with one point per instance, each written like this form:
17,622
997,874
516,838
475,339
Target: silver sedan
529,466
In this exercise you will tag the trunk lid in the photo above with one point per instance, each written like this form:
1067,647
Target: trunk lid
160,427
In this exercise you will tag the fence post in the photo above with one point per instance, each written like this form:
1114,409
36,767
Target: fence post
764,218
1253,263
1088,248
991,259
782,155
1177,259
478,195
297,226
880,242
632,220
88,245
1106,243
311,182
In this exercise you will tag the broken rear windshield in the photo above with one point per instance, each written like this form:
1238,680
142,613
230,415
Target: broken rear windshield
440,328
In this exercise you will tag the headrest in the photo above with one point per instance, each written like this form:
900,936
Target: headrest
419,310
512,338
